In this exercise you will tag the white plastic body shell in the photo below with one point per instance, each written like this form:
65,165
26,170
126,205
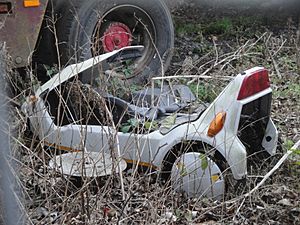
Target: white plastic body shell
151,148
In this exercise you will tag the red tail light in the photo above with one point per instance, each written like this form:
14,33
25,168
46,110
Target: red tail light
254,83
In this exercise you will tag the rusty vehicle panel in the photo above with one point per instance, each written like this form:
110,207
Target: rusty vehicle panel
20,28
30,41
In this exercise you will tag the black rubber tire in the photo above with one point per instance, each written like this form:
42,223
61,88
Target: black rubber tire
79,18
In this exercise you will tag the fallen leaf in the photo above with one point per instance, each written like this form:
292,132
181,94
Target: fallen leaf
204,161
285,202
169,121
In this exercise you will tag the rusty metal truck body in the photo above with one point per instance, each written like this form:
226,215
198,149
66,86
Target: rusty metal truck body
20,28
62,32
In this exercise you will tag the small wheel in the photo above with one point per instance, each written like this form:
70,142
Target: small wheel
198,176
97,26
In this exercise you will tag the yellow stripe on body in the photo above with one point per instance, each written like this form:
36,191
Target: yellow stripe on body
68,149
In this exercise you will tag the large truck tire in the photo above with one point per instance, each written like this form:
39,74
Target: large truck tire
97,26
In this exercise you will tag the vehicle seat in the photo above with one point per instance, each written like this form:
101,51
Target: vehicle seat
141,107
171,99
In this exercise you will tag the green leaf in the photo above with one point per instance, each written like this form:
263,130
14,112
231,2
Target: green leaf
129,62
178,213
127,72
169,121
50,70
296,152
126,129
182,169
288,144
150,125
188,216
133,122
204,161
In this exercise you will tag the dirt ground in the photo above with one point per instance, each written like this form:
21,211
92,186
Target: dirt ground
219,44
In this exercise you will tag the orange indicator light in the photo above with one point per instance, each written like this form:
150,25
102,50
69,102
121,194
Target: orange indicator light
217,124
31,3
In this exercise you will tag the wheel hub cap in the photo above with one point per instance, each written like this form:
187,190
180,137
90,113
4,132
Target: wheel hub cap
116,36
197,177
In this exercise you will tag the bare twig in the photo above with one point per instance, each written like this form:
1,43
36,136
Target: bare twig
298,46
275,65
278,164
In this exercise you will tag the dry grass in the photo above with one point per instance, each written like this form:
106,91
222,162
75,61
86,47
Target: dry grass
51,198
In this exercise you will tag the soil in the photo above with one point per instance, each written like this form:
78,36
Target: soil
214,43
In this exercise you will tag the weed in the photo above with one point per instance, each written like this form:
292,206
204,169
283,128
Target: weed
291,89
183,29
50,71
222,26
288,144
203,92
288,62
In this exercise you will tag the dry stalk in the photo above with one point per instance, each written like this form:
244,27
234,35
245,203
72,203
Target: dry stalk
275,65
298,46
118,151
226,59
276,167
278,164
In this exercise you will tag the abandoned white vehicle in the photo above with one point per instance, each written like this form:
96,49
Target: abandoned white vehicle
163,128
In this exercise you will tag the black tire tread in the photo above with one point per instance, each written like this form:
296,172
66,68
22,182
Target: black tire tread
68,26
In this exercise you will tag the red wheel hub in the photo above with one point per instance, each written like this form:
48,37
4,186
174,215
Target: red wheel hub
116,36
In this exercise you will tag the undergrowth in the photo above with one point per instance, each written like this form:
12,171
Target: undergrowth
215,50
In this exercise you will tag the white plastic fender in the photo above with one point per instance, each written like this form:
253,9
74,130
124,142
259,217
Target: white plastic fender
198,176
75,69
88,164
